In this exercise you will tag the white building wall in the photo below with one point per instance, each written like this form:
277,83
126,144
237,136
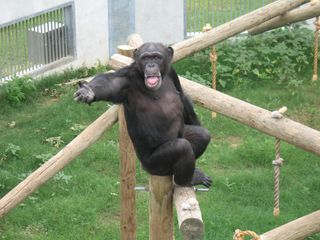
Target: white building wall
15,9
91,26
92,34
159,21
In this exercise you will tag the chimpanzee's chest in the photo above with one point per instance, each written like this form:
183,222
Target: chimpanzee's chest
154,117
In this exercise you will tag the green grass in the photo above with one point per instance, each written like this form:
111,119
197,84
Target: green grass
82,202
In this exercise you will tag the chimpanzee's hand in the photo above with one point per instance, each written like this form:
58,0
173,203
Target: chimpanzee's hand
84,94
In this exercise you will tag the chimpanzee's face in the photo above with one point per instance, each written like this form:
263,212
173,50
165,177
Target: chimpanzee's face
153,60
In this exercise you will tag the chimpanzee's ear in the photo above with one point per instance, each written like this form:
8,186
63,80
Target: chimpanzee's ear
135,54
170,51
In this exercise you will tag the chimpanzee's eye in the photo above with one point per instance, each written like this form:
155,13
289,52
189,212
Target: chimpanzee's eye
145,58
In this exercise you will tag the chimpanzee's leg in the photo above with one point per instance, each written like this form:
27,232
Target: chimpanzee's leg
199,138
173,157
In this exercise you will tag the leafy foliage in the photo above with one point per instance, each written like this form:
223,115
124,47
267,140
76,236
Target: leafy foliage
55,141
277,55
12,151
43,157
18,89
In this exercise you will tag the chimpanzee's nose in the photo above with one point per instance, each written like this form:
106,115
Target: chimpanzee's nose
151,65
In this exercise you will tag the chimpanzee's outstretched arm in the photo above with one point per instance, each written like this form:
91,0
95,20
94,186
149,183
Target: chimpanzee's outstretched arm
189,115
104,87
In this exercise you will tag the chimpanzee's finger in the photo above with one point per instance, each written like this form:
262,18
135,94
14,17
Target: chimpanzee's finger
80,84
77,93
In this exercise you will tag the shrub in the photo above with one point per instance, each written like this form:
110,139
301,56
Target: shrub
18,89
277,55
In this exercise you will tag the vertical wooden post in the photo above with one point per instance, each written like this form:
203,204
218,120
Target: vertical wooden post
127,162
127,182
161,208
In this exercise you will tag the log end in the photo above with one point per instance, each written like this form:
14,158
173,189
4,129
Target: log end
192,228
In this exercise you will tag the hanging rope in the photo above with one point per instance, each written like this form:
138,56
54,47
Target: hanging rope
316,46
276,166
213,59
240,235
277,163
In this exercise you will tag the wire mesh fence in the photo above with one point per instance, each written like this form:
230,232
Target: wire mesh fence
216,12
29,44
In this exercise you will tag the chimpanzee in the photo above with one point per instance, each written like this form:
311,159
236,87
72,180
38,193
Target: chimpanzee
161,121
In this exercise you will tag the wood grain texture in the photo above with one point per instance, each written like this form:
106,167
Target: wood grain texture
188,213
127,182
236,26
127,161
161,207
298,229
306,11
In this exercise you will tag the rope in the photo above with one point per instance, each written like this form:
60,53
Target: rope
277,163
240,235
316,46
276,179
277,147
213,59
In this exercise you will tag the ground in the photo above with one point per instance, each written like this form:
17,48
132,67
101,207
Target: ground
82,202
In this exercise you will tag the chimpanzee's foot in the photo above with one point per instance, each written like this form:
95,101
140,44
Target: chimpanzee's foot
200,178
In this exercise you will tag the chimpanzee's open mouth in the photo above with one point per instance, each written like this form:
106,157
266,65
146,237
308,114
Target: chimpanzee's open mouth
153,82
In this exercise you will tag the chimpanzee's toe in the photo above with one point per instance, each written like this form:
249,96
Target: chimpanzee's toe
200,178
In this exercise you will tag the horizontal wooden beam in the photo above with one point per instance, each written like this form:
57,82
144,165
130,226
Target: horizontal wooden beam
253,116
300,228
36,179
306,11
285,129
234,27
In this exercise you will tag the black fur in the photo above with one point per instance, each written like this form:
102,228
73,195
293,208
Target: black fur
161,121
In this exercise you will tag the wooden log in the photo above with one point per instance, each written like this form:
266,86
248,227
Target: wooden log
161,207
127,162
188,213
298,229
306,11
87,137
135,40
285,129
229,29
127,182
126,50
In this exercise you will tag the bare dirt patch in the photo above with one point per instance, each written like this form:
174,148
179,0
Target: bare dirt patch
234,141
